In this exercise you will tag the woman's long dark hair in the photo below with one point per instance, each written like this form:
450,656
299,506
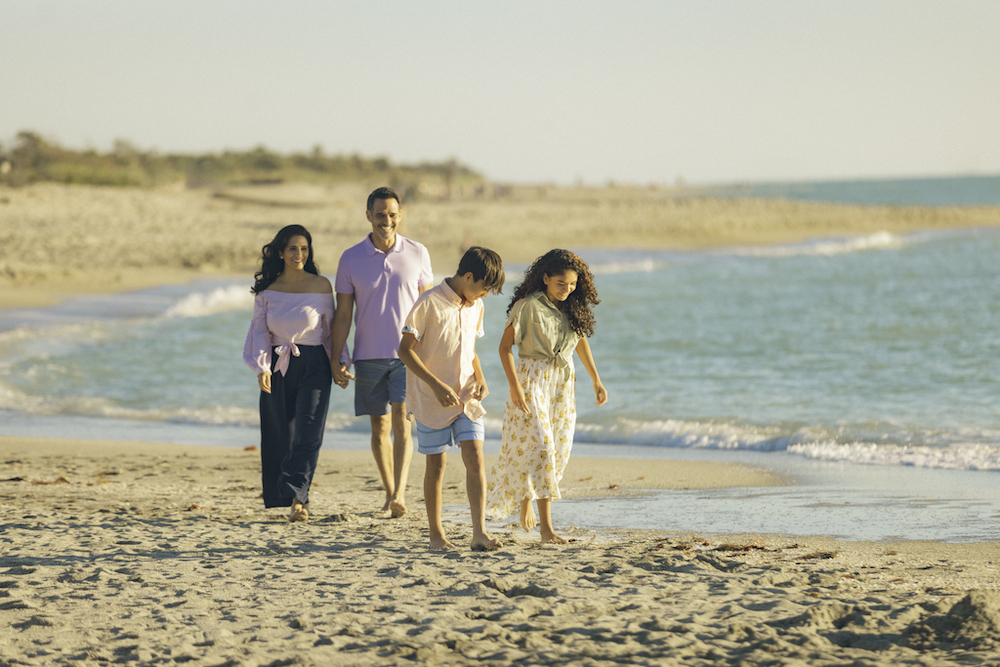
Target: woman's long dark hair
271,264
579,305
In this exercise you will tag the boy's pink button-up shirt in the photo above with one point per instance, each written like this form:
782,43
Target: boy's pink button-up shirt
446,328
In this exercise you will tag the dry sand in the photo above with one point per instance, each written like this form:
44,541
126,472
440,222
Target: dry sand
57,240
114,553
117,553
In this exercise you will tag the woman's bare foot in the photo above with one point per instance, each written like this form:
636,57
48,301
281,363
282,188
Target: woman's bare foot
549,537
397,509
442,544
299,512
528,518
486,543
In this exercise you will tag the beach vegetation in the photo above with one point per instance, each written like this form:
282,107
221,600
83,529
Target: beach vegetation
32,158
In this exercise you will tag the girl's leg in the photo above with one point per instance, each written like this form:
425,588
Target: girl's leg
528,520
545,520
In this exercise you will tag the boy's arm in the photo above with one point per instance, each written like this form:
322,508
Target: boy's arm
507,359
583,350
445,394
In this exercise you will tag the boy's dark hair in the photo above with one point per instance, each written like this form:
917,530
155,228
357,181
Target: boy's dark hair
485,265
382,193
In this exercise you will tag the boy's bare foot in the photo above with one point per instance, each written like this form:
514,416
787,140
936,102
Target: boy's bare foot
381,514
486,543
442,544
397,509
528,518
548,537
299,512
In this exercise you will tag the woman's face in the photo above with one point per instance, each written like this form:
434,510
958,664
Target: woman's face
295,253
558,288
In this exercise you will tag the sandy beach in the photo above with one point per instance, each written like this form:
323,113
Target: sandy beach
150,553
142,553
59,240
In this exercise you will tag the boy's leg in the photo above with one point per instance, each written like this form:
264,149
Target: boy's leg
545,522
475,487
433,478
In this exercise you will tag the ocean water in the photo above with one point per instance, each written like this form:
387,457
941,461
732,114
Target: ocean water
864,368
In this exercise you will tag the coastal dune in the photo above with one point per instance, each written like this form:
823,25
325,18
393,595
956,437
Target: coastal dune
119,553
59,239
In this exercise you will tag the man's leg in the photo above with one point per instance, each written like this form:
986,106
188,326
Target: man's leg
433,479
382,450
475,487
402,453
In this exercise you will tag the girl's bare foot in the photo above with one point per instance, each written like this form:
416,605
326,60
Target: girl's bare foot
549,537
299,512
486,543
528,519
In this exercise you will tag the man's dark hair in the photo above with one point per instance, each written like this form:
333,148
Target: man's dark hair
382,193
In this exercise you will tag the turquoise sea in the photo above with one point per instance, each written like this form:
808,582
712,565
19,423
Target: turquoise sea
866,368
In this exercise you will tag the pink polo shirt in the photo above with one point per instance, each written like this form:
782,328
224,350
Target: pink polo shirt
285,320
385,286
446,328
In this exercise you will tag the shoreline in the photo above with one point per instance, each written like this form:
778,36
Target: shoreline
143,552
74,240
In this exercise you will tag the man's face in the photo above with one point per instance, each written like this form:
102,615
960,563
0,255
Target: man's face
384,216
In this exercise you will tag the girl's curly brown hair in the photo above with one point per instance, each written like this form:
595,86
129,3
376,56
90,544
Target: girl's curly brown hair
579,305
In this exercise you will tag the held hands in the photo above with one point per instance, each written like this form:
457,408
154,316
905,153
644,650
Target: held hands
264,380
341,376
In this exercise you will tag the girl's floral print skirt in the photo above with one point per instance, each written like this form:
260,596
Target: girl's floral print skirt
536,444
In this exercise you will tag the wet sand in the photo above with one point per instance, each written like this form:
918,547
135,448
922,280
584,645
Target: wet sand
144,553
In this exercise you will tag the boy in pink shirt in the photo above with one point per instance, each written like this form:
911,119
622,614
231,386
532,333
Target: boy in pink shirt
445,385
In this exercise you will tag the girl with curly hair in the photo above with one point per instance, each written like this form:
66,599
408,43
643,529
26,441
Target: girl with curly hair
550,316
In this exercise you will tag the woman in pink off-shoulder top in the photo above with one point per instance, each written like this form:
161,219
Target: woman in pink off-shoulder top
288,345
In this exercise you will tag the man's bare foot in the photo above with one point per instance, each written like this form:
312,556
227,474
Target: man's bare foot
299,512
397,509
528,519
486,543
548,537
442,544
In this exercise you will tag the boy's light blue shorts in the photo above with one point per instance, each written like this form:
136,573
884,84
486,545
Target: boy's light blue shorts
438,440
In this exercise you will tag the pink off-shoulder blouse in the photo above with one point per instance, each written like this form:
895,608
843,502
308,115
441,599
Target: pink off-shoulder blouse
284,320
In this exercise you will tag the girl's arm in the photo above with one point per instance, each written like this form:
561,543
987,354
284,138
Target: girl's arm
507,359
583,350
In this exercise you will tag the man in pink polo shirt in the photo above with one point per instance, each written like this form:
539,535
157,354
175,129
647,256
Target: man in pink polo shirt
382,277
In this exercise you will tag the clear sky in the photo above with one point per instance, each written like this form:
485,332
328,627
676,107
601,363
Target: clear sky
525,91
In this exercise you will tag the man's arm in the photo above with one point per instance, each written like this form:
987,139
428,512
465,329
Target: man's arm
408,355
340,329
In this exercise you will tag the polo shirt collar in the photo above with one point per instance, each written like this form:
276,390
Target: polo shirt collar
370,246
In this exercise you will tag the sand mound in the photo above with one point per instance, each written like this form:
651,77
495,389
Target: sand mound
973,621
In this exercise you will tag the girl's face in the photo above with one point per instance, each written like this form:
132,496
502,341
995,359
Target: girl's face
558,288
295,253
